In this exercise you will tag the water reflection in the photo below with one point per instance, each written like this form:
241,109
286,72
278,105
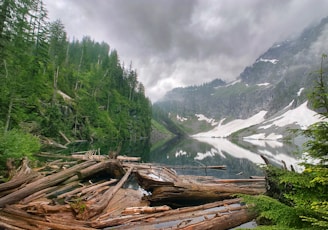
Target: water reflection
241,158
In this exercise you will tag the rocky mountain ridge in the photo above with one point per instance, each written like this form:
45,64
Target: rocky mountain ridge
278,79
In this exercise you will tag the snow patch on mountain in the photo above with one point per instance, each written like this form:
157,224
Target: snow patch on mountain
302,116
182,119
233,126
263,84
202,156
300,92
233,82
289,105
202,117
273,61
180,153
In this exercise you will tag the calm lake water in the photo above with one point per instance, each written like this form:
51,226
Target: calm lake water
242,158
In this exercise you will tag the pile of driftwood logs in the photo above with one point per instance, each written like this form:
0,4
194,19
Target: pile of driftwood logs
94,192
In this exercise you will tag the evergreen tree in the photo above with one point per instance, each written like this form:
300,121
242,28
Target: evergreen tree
50,86
302,197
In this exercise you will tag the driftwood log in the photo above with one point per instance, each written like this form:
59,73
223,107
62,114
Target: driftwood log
90,195
167,187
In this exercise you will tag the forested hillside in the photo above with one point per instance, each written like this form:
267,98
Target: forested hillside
64,90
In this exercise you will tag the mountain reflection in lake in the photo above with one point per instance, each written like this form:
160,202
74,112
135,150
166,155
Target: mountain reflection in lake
242,158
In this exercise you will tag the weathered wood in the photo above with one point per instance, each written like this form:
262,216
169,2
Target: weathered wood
98,207
145,209
23,175
86,189
89,156
65,138
168,188
150,178
52,143
28,221
8,226
42,184
187,193
64,200
126,158
222,222
112,166
38,195
147,221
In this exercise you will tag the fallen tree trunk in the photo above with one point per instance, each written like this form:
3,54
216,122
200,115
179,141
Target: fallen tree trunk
42,183
194,193
167,187
222,222
73,199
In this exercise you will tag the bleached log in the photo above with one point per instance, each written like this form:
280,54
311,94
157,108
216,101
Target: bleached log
126,158
49,142
145,209
65,138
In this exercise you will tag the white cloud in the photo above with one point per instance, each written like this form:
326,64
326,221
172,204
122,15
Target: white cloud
178,43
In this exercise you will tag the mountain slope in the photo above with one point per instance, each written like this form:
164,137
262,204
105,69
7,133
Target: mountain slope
273,128
278,80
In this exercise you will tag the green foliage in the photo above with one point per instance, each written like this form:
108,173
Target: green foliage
317,146
17,144
76,88
299,200
276,213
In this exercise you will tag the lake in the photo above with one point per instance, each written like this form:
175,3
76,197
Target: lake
241,157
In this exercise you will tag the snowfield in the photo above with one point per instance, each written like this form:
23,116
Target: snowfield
233,126
302,116
265,139
202,117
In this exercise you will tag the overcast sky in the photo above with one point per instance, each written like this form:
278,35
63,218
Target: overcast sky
175,43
